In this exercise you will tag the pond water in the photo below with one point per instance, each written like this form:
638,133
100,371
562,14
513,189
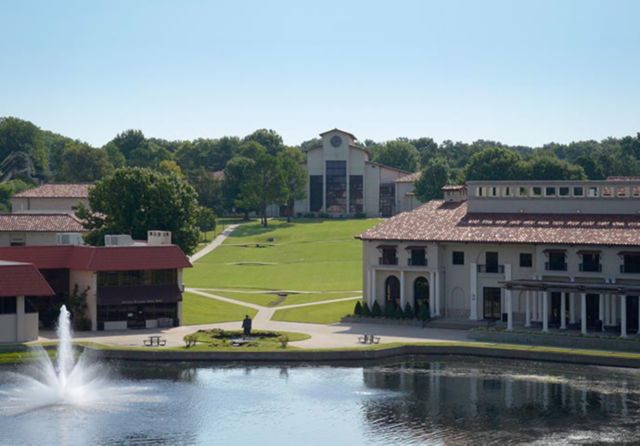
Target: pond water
420,400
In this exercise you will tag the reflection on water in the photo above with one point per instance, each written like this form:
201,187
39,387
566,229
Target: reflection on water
443,400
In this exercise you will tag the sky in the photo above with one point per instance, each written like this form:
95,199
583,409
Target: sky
520,72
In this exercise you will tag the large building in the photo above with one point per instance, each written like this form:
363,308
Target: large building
343,181
562,254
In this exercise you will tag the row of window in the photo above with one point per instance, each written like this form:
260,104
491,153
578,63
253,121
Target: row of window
138,277
559,191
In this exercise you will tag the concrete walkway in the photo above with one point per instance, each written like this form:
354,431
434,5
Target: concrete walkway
214,243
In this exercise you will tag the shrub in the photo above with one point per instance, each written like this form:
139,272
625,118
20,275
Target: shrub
283,340
360,215
190,340
366,312
390,310
408,311
324,215
398,313
376,311
424,314
357,310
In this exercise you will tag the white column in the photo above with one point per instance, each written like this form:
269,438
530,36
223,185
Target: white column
509,304
372,298
614,313
583,313
545,311
20,328
601,309
563,311
527,304
623,316
473,292
605,299
534,305
403,299
437,290
432,294
541,305
572,308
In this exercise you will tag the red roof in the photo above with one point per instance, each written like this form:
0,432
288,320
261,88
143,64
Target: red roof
29,222
411,178
98,258
68,190
22,279
438,221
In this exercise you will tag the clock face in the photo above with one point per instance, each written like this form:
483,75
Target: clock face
336,141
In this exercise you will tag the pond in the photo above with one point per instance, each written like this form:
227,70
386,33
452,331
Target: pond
419,400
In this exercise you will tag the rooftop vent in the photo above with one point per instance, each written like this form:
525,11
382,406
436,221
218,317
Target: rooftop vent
159,237
118,240
69,238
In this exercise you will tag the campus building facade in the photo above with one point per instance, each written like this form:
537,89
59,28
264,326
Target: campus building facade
562,254
343,181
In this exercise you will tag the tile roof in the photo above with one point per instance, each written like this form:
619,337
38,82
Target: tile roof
411,178
98,258
438,221
22,279
61,222
373,163
68,190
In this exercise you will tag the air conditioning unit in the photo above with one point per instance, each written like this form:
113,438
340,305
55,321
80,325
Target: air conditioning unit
69,238
118,240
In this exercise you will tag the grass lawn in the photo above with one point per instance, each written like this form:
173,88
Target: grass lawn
273,300
316,314
307,254
202,310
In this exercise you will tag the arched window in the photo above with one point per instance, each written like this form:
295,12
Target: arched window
392,291
420,294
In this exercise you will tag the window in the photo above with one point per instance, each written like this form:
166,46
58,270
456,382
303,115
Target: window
389,256
578,191
336,197
536,191
563,191
458,258
631,263
315,193
607,191
507,191
526,260
480,192
523,192
7,305
592,191
356,202
387,199
590,262
418,257
491,262
550,191
137,278
557,261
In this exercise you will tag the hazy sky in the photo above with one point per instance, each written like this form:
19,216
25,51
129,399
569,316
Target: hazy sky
515,71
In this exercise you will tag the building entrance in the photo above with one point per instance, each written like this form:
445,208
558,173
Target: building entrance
491,297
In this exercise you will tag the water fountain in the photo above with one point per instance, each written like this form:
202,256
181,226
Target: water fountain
67,381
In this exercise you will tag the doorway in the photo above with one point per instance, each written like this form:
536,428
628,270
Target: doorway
491,298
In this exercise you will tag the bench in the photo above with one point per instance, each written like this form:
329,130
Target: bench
155,340
369,339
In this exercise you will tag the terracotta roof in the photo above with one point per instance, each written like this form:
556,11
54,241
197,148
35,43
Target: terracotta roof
411,178
22,279
453,187
338,130
623,178
98,258
51,190
217,175
439,221
40,223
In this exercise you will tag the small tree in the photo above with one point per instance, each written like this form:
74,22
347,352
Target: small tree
408,311
376,311
366,312
357,310
206,221
424,314
76,303
398,314
389,310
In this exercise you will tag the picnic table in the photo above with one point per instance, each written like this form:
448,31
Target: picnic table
369,339
155,340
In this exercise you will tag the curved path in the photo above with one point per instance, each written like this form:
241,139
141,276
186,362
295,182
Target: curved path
214,243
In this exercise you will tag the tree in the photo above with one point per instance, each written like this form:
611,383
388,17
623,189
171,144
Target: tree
135,200
548,167
432,178
17,135
593,170
494,164
269,139
170,167
128,141
8,189
206,220
291,162
82,164
235,173
399,154
427,148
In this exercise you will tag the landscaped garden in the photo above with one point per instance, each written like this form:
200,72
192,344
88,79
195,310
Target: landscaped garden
260,340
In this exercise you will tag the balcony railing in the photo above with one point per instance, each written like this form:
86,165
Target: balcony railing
491,269
417,262
387,260
555,266
630,269
590,267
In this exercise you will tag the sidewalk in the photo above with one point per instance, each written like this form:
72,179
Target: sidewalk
214,243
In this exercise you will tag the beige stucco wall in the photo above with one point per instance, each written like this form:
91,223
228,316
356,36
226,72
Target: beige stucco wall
84,280
46,204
